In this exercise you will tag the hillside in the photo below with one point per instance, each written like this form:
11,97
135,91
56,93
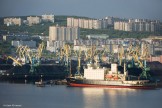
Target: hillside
43,29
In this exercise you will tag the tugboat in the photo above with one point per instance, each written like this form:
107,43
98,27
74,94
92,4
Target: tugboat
40,83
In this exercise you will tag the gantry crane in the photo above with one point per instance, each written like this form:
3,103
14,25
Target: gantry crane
139,56
120,54
144,56
79,54
15,61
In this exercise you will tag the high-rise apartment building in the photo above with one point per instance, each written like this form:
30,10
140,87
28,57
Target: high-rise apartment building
13,21
110,20
48,18
86,23
140,25
33,20
57,33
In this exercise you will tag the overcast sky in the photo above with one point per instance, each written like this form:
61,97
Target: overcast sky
150,9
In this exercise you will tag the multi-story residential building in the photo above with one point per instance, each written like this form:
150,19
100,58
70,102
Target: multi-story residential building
76,23
97,36
31,44
110,20
57,33
13,21
97,24
90,24
86,23
137,25
70,22
48,18
16,37
147,27
54,45
33,20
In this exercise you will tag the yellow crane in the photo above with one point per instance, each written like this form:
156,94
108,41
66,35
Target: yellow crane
40,50
17,62
79,55
121,54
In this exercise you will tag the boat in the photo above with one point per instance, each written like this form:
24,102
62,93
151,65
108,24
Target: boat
40,83
96,76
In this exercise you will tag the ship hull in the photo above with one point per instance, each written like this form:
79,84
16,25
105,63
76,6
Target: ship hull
72,82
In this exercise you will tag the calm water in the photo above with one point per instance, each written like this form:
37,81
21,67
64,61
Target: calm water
60,96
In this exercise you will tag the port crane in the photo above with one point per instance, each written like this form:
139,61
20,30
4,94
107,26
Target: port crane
21,59
139,57
121,54
15,61
144,56
79,54
64,55
106,53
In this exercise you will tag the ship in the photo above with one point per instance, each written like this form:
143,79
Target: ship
96,76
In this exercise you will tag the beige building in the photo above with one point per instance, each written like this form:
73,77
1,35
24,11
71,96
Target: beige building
57,33
70,22
12,21
48,18
97,24
33,20
137,26
86,23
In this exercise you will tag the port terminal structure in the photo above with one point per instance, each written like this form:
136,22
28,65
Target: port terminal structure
27,65
97,76
133,57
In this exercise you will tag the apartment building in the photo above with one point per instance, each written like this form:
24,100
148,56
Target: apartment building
48,18
33,20
31,44
57,33
137,26
86,23
13,21
110,20
54,45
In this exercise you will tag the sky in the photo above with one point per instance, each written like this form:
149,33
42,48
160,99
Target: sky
148,9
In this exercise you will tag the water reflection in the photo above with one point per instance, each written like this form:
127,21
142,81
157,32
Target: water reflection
106,98
61,96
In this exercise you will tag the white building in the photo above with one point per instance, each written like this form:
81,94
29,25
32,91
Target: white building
31,44
48,18
54,45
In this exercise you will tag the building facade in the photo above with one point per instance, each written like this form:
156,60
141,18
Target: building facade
87,23
54,45
139,25
33,20
13,21
48,18
57,33
31,44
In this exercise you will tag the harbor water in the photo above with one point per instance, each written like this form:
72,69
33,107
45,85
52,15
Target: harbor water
18,95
